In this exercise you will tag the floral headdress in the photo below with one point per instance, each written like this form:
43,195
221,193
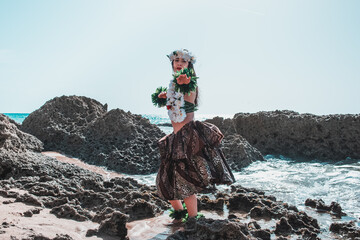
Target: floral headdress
182,53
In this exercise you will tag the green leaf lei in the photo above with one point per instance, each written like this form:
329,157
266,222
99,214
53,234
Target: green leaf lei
178,214
186,88
159,102
186,218
183,214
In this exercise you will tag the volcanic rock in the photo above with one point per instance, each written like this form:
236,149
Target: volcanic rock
82,127
239,153
260,206
12,139
210,229
334,208
205,203
59,123
71,192
298,136
115,225
283,227
347,229
301,136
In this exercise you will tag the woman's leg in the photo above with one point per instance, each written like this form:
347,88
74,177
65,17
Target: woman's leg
176,204
191,205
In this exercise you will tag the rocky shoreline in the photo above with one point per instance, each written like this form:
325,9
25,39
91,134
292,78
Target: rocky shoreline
83,128
121,141
297,136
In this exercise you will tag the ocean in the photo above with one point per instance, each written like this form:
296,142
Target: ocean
289,180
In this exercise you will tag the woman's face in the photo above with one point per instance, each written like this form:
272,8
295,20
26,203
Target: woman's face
179,63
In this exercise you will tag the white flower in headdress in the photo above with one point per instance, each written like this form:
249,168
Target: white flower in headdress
182,53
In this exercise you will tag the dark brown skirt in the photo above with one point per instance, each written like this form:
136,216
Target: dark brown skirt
191,161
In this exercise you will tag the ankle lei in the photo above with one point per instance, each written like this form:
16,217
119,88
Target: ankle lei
183,214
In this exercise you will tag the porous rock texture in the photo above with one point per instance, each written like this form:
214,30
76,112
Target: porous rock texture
334,208
82,127
260,206
71,192
238,151
289,221
299,136
12,139
347,230
210,229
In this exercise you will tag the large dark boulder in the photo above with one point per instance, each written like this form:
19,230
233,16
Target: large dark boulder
307,136
61,121
124,142
238,151
299,136
82,127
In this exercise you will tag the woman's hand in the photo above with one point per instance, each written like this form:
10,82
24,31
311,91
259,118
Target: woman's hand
162,95
183,79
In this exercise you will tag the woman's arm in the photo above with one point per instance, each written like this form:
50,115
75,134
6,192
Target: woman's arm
190,98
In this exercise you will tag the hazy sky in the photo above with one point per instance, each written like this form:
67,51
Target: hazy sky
301,55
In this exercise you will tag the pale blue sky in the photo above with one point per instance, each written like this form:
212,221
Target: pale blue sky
301,55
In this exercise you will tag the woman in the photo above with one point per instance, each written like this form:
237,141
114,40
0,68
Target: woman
191,160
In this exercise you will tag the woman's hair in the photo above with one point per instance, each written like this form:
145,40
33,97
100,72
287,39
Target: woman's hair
191,66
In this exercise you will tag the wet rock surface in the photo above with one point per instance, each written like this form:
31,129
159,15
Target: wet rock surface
207,229
83,128
334,208
258,206
114,225
347,230
289,222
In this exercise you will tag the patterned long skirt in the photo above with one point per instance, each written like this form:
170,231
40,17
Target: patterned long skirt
191,161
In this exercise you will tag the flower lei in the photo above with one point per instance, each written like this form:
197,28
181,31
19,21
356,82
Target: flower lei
175,103
175,95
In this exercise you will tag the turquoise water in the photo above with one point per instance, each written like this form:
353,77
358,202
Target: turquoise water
154,118
18,117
